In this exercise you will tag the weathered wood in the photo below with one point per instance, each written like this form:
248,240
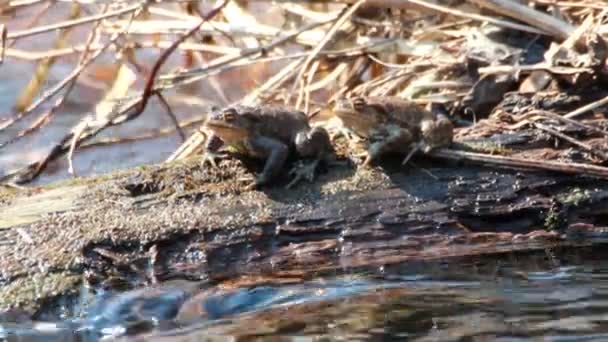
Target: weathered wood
202,223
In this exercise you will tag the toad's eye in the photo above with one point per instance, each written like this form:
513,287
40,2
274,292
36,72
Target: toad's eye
358,103
229,114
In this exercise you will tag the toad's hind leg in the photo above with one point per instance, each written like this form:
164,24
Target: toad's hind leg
395,141
314,143
303,171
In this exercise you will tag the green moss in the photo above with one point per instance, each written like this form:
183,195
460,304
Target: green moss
7,193
486,147
573,197
27,291
553,219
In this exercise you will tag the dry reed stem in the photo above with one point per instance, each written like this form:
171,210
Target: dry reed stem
36,18
42,70
45,118
66,81
196,74
328,36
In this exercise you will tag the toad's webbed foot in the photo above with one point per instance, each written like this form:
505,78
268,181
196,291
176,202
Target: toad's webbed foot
303,171
367,161
374,151
414,148
210,158
260,180
344,132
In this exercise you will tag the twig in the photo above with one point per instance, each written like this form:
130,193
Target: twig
172,116
193,8
306,89
551,115
512,69
76,134
196,74
355,74
547,165
70,23
379,81
386,64
145,136
54,90
31,171
549,24
458,13
182,26
110,95
2,42
59,86
35,19
573,141
149,88
186,46
332,76
46,117
127,111
439,28
589,107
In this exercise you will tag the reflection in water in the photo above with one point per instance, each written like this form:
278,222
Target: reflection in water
560,297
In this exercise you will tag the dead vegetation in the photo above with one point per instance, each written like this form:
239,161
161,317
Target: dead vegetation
524,82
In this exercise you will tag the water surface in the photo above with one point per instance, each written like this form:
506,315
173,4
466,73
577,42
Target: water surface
553,295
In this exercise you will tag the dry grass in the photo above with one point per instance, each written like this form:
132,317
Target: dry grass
465,59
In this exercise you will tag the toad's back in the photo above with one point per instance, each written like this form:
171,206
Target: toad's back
400,110
276,121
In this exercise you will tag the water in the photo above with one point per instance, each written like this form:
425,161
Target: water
554,295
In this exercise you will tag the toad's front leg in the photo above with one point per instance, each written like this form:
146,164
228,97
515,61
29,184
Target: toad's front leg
211,153
275,152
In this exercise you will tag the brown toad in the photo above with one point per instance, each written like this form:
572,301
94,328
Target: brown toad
392,124
267,132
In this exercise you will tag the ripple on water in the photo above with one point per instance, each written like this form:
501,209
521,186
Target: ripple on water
500,298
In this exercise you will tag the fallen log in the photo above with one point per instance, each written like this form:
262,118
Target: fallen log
177,220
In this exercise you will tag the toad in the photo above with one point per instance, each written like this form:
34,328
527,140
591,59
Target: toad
392,124
270,133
